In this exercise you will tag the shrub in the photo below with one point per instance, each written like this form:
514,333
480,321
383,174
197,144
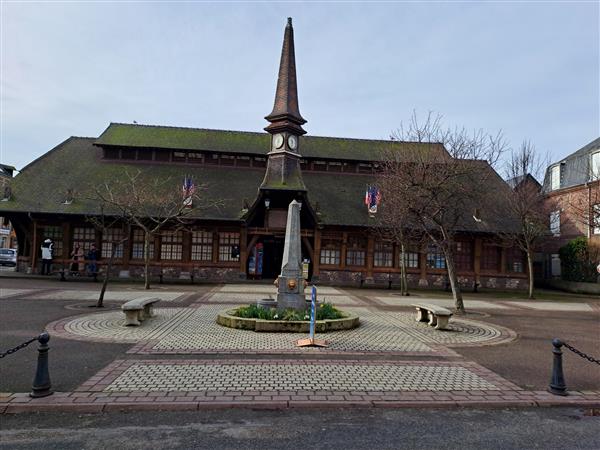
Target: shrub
323,311
576,261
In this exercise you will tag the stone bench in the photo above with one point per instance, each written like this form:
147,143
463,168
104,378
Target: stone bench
138,310
437,316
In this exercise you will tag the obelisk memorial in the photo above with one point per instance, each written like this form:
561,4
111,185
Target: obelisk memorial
290,284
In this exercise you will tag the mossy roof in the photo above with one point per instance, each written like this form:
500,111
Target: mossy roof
77,164
199,139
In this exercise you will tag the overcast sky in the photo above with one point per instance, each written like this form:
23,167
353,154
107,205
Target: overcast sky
530,69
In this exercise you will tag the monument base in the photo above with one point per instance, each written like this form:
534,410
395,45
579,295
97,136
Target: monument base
311,343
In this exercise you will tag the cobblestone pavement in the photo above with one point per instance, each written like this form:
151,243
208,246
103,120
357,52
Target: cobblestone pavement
194,330
182,359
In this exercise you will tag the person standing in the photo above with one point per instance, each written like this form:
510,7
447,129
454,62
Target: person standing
92,257
47,248
77,256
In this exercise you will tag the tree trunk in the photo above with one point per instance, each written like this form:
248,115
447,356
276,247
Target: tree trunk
146,260
100,303
403,278
530,271
456,292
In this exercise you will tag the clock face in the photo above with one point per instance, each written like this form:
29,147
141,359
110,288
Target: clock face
293,142
278,140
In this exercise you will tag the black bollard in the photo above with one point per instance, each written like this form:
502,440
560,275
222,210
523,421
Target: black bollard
557,383
41,382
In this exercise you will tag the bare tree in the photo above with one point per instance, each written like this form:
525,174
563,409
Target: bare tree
526,203
393,223
440,177
104,224
150,204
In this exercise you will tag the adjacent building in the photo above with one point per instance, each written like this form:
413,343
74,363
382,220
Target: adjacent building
254,176
572,188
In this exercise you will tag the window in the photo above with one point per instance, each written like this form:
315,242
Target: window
411,257
356,251
110,238
211,158
84,237
555,177
56,234
171,245
331,251
490,256
555,223
335,167
435,257
202,245
243,161
137,246
179,156
259,161
128,153
227,160
595,166
111,153
463,255
596,222
320,165
195,157
229,246
364,168
514,260
384,254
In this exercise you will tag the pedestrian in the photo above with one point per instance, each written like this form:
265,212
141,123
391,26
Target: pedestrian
92,257
76,257
47,248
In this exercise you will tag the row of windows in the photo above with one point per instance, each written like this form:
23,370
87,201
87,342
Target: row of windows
383,256
595,223
555,171
233,160
171,243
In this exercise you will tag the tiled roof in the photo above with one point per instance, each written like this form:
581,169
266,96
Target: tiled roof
76,164
201,139
575,168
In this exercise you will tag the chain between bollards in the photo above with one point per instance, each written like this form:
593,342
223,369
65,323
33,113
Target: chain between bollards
41,382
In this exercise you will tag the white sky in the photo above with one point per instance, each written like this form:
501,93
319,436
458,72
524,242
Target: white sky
530,69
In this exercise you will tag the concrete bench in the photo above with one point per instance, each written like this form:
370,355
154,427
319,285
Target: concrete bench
138,310
437,316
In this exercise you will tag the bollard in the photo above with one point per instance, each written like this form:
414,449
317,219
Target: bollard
41,382
557,383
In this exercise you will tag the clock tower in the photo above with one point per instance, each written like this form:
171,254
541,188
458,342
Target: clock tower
283,166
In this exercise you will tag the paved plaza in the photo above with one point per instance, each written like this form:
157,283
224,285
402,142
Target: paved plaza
182,358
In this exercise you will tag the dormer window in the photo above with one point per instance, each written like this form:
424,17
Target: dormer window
555,177
595,166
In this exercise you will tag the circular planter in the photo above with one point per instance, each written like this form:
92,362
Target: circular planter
227,319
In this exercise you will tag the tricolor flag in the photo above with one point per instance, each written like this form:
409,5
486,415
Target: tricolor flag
372,199
188,190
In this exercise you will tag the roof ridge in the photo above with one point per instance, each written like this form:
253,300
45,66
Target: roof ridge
260,133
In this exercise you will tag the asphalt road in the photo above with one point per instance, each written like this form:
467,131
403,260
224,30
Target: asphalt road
534,428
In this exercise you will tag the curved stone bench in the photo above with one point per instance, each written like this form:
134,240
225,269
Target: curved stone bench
437,316
138,310
227,319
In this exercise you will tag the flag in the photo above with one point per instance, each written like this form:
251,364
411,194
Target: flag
188,190
372,199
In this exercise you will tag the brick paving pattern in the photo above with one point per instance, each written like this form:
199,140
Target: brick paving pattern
260,376
389,361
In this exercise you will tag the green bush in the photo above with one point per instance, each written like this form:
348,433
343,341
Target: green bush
323,311
576,261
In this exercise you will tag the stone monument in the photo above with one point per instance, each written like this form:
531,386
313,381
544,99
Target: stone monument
290,283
